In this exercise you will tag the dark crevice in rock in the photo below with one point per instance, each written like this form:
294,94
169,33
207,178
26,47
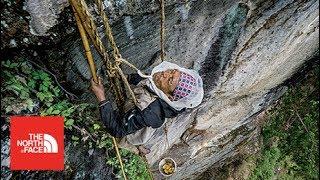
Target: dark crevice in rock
221,50
261,7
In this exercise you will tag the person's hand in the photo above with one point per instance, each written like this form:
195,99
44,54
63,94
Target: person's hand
98,89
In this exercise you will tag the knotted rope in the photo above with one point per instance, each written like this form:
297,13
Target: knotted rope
162,54
94,75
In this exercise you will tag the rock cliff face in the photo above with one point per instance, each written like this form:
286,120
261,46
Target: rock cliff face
242,49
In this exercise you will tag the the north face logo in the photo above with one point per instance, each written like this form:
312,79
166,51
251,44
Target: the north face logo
36,143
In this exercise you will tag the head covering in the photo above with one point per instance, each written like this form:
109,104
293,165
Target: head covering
186,85
190,100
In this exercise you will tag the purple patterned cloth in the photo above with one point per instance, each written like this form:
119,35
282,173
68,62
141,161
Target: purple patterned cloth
185,86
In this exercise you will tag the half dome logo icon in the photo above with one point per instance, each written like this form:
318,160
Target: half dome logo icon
50,144
36,143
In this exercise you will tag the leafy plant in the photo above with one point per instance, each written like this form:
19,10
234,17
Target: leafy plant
294,123
25,83
26,88
135,167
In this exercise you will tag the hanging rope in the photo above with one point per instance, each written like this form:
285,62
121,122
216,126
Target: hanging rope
95,78
116,54
87,21
108,31
90,27
162,29
80,8
118,59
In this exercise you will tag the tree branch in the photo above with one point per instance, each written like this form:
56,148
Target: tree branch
305,127
84,131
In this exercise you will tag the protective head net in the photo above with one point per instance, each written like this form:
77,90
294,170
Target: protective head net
191,100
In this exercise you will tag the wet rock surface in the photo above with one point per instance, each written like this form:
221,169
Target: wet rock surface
20,27
243,50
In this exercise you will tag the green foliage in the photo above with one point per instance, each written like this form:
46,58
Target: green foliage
134,167
275,165
104,142
293,123
25,88
265,170
25,83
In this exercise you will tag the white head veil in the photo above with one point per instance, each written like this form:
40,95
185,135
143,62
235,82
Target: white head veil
190,101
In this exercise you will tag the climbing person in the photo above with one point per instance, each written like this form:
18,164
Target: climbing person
168,91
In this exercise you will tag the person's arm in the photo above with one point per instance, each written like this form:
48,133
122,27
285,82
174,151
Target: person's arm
152,116
114,123
134,120
98,89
